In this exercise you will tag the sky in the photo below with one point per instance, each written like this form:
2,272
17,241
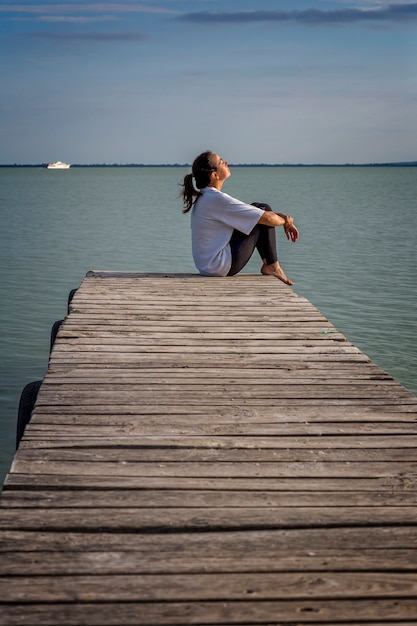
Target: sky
256,81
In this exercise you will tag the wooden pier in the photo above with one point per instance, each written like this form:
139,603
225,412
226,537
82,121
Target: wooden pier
210,451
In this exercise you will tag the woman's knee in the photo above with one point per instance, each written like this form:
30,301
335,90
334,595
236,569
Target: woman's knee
262,205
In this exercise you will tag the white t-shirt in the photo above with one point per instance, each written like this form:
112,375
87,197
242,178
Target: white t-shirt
214,217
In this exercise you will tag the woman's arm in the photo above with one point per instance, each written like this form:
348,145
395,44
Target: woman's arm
269,218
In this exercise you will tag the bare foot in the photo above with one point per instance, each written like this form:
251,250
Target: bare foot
275,270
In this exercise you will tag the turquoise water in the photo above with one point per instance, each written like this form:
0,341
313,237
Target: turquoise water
356,258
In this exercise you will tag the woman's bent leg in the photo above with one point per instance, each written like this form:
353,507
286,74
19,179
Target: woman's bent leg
267,243
261,238
242,247
267,248
264,240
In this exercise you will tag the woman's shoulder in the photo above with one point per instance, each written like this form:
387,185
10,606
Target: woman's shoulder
221,196
215,196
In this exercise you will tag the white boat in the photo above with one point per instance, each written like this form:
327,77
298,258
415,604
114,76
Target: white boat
58,165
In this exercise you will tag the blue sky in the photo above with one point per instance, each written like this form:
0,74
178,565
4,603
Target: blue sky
158,81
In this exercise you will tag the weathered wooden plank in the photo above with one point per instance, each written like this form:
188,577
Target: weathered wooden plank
281,399
171,519
216,304
216,545
356,611
234,392
206,346
198,498
218,394
244,313
85,329
219,470
209,587
178,359
258,483
280,413
129,424
325,445
342,376
215,385
213,454
157,557
282,330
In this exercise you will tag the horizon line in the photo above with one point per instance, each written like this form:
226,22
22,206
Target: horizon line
367,164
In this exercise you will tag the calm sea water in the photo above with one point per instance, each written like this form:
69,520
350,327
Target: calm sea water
356,258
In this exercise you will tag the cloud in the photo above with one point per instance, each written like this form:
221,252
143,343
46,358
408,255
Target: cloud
79,13
389,13
96,7
75,19
124,37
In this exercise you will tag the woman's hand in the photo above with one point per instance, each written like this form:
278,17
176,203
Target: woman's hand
290,229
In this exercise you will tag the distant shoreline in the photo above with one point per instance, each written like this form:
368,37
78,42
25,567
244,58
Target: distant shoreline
104,165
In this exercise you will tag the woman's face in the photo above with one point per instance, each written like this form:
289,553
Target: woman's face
222,167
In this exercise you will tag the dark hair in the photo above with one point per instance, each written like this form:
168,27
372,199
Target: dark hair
201,170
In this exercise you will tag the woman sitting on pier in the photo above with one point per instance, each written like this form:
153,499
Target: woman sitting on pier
226,231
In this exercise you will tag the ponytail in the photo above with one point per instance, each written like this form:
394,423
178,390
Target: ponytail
201,172
189,193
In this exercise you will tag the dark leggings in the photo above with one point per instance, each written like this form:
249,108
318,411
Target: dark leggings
243,246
